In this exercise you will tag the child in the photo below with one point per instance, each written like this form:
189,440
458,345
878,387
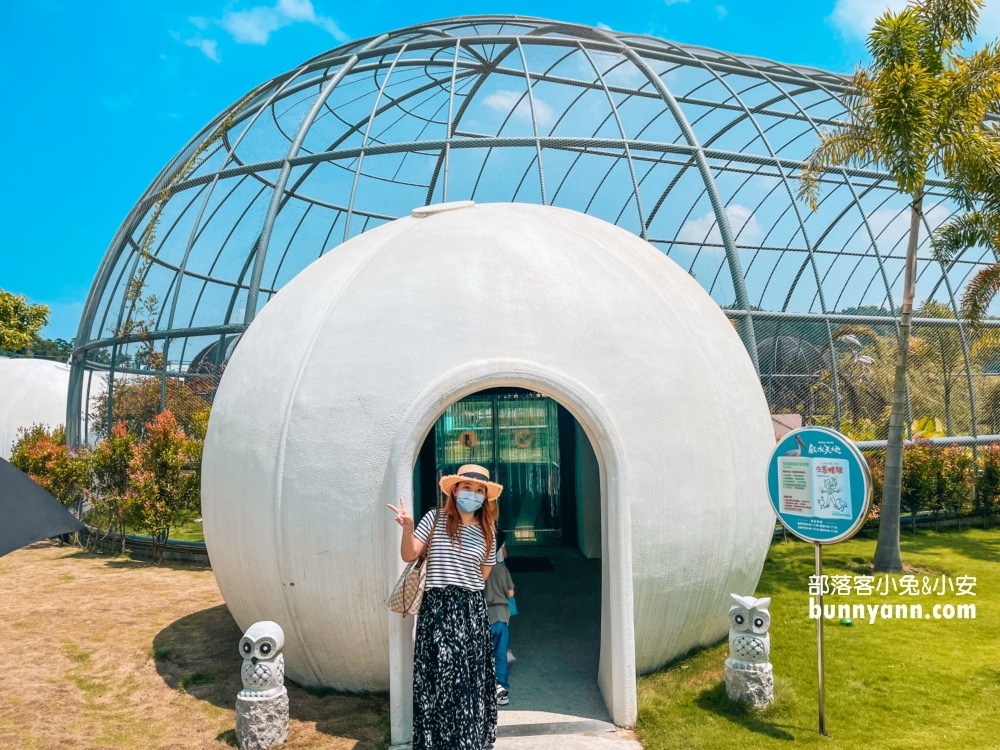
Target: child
499,587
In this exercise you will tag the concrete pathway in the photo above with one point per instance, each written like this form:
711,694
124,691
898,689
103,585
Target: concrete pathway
554,699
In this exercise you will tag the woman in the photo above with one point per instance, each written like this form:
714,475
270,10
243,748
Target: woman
454,679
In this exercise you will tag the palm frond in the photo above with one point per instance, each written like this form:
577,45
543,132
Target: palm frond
847,144
897,39
904,114
981,290
950,22
966,230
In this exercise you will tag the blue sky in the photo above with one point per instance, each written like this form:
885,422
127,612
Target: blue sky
99,95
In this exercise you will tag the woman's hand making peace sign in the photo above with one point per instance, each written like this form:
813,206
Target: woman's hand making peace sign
403,517
409,546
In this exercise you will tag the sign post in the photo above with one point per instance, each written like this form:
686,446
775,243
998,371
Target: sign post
820,487
819,643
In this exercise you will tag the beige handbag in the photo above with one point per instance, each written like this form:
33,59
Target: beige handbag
409,589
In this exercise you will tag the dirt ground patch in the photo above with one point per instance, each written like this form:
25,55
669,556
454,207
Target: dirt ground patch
104,652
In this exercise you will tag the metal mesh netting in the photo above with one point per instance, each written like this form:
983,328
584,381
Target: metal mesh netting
693,149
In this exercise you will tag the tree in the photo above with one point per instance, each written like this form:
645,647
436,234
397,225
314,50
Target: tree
110,462
921,469
20,321
44,457
918,107
136,402
165,479
956,481
39,348
988,482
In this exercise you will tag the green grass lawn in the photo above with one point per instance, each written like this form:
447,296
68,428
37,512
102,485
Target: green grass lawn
188,532
892,684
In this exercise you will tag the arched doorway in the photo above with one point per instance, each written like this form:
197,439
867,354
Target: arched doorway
550,517
615,666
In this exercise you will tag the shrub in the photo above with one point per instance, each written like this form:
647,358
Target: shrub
110,462
922,465
164,478
137,403
44,457
876,465
988,481
935,478
956,481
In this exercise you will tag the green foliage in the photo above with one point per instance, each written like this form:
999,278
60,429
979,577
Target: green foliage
922,466
136,402
876,465
935,477
39,348
164,478
919,107
957,480
110,462
988,481
44,457
20,321
152,484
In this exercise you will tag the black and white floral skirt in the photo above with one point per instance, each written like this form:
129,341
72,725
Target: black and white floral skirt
454,676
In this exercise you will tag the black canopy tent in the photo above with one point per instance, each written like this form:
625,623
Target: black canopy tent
28,512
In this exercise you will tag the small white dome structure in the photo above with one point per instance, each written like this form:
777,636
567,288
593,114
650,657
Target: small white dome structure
32,391
326,401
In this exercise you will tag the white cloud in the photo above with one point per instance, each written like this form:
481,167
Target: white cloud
674,2
504,101
855,18
721,12
705,229
209,47
255,25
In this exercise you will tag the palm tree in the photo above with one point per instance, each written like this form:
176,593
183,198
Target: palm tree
979,223
920,106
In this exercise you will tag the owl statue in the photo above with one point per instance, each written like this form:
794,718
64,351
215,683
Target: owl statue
263,664
749,642
748,671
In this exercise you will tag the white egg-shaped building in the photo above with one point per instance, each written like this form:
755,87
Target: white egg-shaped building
327,401
32,391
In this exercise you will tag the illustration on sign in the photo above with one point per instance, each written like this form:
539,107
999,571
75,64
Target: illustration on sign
815,487
819,484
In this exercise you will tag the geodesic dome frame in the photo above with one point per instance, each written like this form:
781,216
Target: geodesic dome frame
695,150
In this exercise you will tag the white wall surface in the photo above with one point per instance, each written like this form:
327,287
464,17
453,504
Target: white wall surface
588,496
299,455
32,391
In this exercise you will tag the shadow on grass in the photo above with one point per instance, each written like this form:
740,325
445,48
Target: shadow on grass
120,561
973,546
198,654
715,700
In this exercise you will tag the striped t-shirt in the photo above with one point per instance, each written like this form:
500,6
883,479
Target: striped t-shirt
451,565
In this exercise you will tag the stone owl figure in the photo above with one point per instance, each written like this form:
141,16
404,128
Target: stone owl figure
263,669
749,642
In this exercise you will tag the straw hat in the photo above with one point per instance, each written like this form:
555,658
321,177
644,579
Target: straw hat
472,473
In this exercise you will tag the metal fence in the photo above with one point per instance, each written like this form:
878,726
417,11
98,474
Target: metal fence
693,149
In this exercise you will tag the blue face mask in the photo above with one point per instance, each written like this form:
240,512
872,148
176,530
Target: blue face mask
469,501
